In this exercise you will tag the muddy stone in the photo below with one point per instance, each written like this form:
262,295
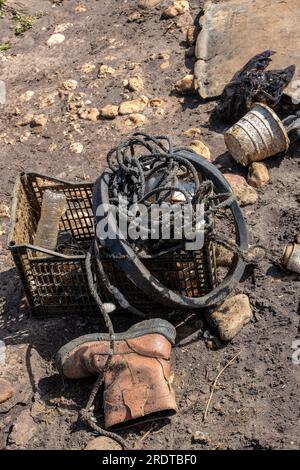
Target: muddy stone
199,147
110,111
135,83
258,175
40,120
148,3
90,114
80,9
23,429
76,147
224,257
200,437
4,212
70,84
135,120
25,97
105,70
55,39
231,316
164,65
191,35
24,120
103,443
133,106
185,84
178,7
244,192
6,390
192,132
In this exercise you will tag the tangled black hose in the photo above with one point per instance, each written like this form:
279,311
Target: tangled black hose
147,170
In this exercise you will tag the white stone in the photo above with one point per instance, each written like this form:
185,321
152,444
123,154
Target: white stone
76,147
56,39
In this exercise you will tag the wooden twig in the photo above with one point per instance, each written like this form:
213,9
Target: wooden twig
144,436
215,384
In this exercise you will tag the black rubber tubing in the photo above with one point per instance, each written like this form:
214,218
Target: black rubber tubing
142,277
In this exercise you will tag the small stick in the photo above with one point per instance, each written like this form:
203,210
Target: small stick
144,436
185,321
215,383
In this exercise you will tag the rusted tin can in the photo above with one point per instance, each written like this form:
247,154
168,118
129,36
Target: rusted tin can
291,257
257,136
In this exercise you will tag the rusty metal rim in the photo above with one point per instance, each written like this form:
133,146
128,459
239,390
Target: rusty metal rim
142,277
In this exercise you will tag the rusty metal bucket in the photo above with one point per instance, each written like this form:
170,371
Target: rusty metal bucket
257,136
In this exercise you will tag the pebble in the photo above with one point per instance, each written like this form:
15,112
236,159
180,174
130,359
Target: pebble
148,3
70,84
134,83
110,111
90,114
105,70
258,175
156,102
192,132
6,389
27,96
224,257
76,147
244,192
200,437
199,147
184,22
178,7
298,238
103,443
55,39
87,68
3,230
25,120
80,9
47,100
40,120
4,212
191,35
165,64
37,408
52,147
231,316
135,16
217,406
133,106
135,120
185,84
60,28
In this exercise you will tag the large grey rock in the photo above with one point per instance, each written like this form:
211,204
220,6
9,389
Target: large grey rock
233,31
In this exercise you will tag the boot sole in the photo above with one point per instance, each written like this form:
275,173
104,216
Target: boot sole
153,326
